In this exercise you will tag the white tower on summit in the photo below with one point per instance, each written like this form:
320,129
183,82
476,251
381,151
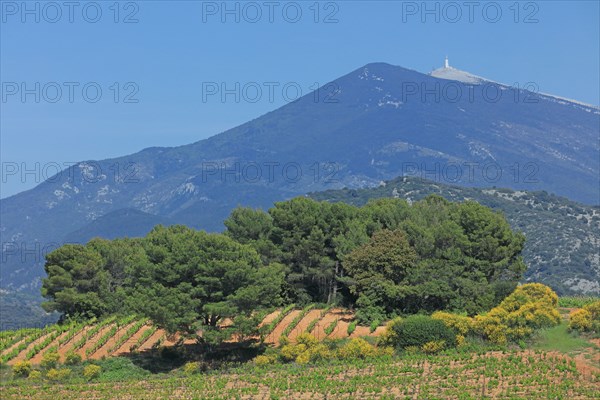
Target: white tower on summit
446,65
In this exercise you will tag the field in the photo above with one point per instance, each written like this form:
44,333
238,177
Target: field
513,375
120,337
555,365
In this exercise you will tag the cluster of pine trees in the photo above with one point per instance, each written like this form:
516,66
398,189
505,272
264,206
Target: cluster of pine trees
385,258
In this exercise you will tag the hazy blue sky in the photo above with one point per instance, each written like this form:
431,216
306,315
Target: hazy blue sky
162,53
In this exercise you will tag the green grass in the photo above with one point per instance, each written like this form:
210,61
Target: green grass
560,339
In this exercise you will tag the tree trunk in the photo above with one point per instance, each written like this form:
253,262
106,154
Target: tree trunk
335,282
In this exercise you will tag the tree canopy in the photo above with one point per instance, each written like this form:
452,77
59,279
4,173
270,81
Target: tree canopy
385,258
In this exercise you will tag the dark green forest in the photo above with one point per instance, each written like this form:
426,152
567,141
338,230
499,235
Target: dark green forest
384,259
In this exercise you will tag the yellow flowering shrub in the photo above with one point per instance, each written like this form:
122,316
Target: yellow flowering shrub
433,347
460,324
492,327
307,349
529,293
388,336
580,320
594,310
289,352
357,348
534,315
303,358
320,352
35,375
191,367
586,319
307,339
91,371
58,374
529,307
50,359
264,359
21,368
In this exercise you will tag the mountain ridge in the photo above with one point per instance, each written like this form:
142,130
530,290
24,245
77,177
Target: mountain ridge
355,131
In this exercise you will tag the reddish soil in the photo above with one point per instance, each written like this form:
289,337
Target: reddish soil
38,357
269,318
124,349
171,340
361,331
23,353
378,331
273,337
344,318
332,315
104,350
90,343
14,346
303,324
154,338
63,350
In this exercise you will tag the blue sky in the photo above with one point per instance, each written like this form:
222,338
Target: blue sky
154,62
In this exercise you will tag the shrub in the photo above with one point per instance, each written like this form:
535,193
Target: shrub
58,375
307,339
594,309
91,371
264,360
580,320
303,358
536,315
306,349
50,359
35,375
283,340
72,358
388,337
320,352
289,352
460,324
529,307
529,293
433,347
492,326
417,330
21,368
357,348
191,367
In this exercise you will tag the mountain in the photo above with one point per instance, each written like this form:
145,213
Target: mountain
562,236
22,310
375,123
450,73
119,223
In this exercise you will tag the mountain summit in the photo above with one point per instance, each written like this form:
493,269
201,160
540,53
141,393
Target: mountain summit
375,123
450,73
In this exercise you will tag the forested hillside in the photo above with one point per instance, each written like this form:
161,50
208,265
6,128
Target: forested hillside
562,236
